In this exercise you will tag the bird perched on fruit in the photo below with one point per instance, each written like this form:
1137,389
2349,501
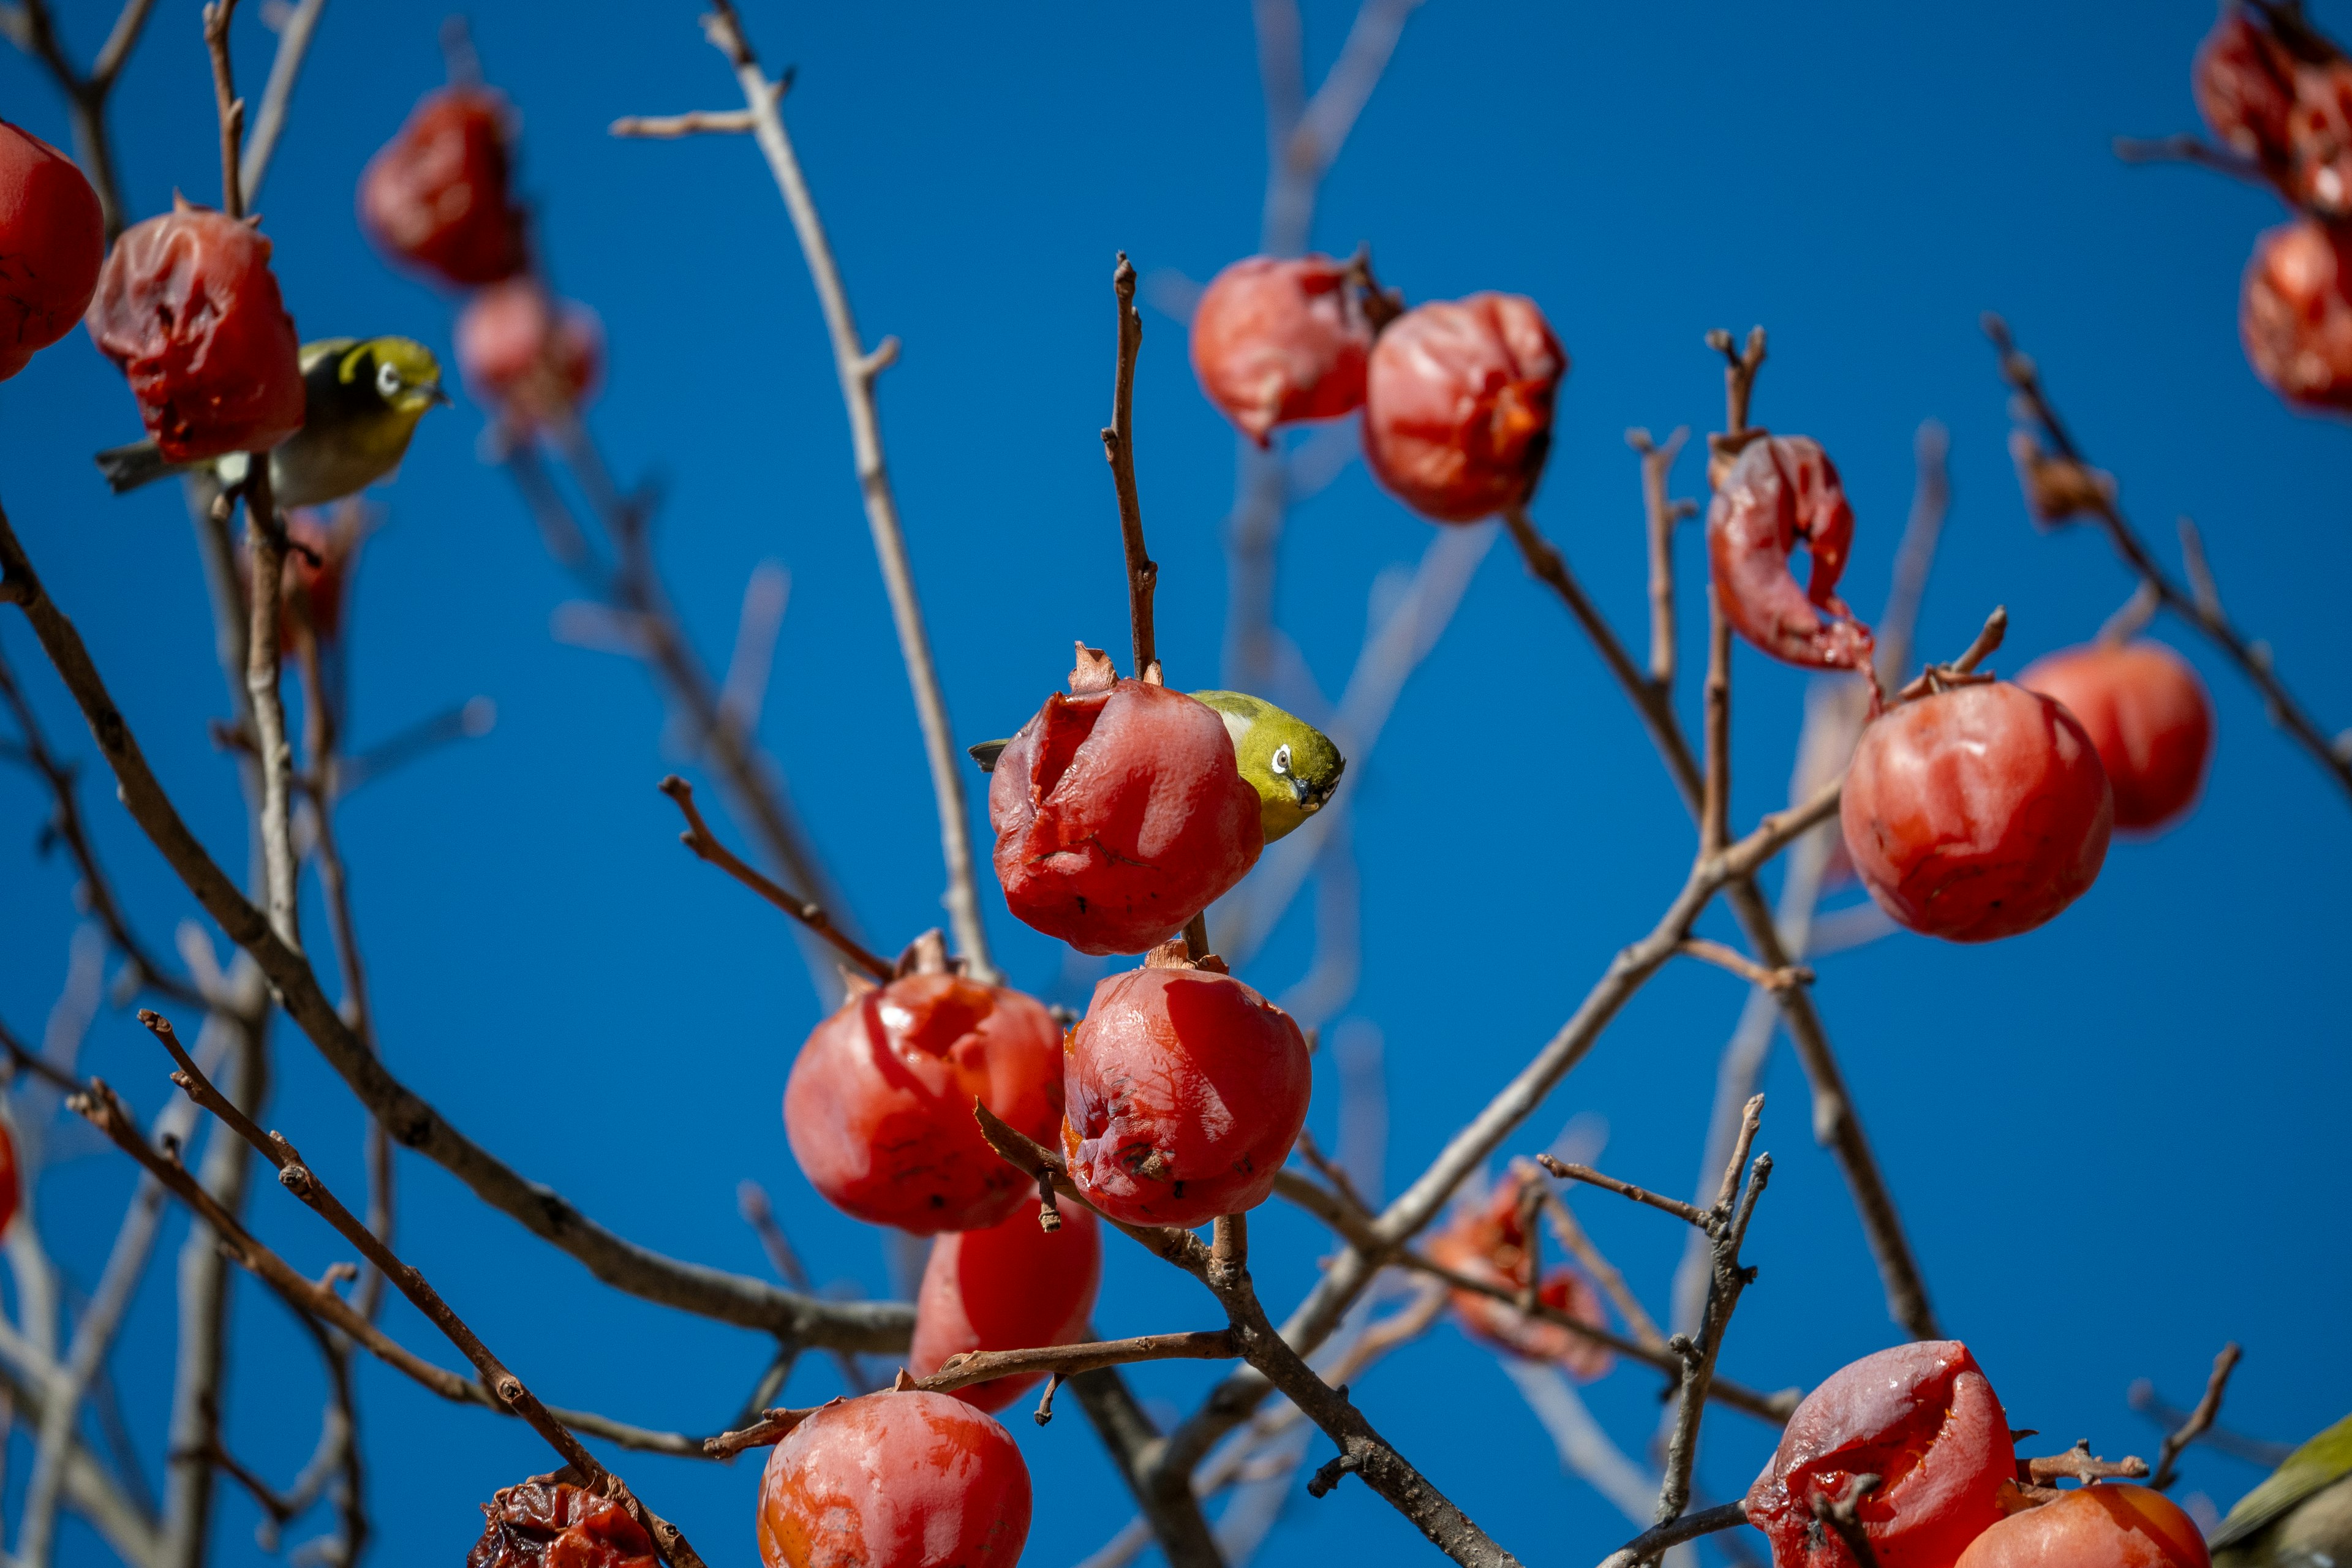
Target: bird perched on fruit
2301,1517
1293,765
362,400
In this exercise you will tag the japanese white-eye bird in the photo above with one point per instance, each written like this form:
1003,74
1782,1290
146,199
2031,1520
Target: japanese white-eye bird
1293,765
362,400
2301,1517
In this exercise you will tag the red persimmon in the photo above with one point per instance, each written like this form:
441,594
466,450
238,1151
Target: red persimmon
2294,315
1458,406
527,356
1119,813
2244,84
1782,490
188,310
554,1524
2277,93
2147,713
898,1480
1923,1419
1186,1089
1278,341
878,1107
2094,1527
1977,811
436,196
1489,1244
1009,1287
52,241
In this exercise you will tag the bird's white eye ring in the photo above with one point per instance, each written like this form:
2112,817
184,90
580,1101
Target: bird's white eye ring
387,379
1281,764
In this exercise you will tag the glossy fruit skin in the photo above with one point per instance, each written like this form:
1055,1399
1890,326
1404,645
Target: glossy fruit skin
1121,815
1185,1090
2148,714
1778,490
188,310
529,357
1458,406
52,241
554,1524
878,1107
1276,340
1976,812
1009,1287
2094,1527
2294,315
1488,1243
895,1480
1919,1416
436,196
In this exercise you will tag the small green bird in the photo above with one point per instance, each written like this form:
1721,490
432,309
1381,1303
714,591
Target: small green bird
2301,1517
362,400
1293,765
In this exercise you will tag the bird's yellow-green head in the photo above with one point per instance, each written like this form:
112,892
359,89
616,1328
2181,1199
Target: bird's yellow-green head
1293,765
402,371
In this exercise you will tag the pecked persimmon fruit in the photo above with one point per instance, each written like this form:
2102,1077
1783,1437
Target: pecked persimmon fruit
1009,1286
436,196
878,1105
1924,1420
52,241
529,357
2149,715
2092,1527
1489,1244
1780,491
1185,1090
1458,404
188,310
2294,314
895,1480
1276,340
1978,812
1119,813
554,1524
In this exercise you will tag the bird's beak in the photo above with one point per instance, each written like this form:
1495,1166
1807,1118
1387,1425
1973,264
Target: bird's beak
439,396
1308,801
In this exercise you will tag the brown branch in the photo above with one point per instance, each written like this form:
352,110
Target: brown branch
1653,1543
963,1370
697,122
2192,151
1688,1213
1840,1515
808,911
1572,1236
1714,800
773,1427
2078,1464
1660,514
1733,1211
2199,1420
1747,968
30,28
1119,450
231,122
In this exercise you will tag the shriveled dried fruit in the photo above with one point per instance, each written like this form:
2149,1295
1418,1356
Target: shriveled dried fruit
2095,1527
1275,341
2295,314
1010,1286
1780,492
52,241
878,1107
898,1480
437,196
527,357
1458,404
1489,1244
2147,713
187,309
1924,1420
554,1524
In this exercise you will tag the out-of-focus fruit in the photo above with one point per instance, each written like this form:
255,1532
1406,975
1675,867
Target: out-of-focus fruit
2273,89
2244,79
529,358
1013,1285
1977,811
52,241
2147,713
187,309
898,1480
2295,315
554,1524
1119,813
313,590
436,196
1185,1090
2094,1527
1276,342
1779,490
878,1107
1458,406
1924,1420
1489,1244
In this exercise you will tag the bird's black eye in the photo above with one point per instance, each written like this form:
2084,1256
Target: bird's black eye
387,379
1281,764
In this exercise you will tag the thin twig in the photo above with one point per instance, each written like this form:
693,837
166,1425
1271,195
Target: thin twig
2199,1419
1682,1211
1747,968
808,911
1840,1514
1119,450
30,28
1732,1212
1580,1245
1660,514
1647,1546
1715,804
285,70
1063,1361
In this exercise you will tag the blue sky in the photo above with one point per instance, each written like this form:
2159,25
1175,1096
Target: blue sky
2106,1136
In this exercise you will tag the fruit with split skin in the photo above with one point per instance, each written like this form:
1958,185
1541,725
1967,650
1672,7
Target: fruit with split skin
2147,714
1458,406
2103,1526
2299,1518
545,1523
898,1480
52,243
1780,491
1277,339
1009,1286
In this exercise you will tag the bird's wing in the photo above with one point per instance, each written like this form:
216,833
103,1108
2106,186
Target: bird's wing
2324,1460
313,352
986,753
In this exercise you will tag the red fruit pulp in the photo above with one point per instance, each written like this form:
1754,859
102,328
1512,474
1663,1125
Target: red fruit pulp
1978,812
1278,341
2147,713
878,1108
895,1480
52,241
554,1524
2095,1527
2295,316
436,196
1009,1287
1458,404
1488,1243
1186,1089
1781,489
1922,1418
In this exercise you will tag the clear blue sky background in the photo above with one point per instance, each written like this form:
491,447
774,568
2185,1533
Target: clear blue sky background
2118,1140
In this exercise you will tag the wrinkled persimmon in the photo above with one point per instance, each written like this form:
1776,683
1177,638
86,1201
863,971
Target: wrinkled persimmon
1489,1244
2147,713
1010,1286
1275,341
437,195
554,1524
2094,1527
879,1105
1458,406
1185,1090
896,1479
52,241
1782,490
1924,1420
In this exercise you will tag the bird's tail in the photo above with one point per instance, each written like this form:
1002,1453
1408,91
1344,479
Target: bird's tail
128,468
